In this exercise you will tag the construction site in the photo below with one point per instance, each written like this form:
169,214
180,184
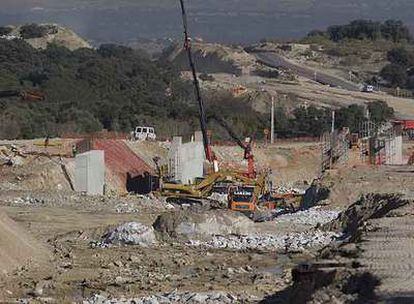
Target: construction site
109,217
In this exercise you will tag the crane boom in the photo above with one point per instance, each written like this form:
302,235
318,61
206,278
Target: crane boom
202,113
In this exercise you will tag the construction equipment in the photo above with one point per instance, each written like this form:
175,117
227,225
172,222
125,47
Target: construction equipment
246,146
25,95
237,183
202,115
245,197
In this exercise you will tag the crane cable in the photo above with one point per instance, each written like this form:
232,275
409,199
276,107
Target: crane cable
203,120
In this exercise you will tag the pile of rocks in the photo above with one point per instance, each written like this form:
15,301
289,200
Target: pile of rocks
28,200
173,297
132,233
294,242
311,217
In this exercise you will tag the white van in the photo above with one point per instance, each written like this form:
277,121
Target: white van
144,133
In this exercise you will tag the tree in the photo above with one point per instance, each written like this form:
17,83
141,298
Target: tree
380,112
350,117
393,30
401,56
396,31
395,75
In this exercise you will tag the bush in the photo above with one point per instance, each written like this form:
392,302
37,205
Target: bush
380,111
206,77
401,56
5,30
395,75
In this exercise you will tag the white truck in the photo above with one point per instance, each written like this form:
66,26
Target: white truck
144,133
368,88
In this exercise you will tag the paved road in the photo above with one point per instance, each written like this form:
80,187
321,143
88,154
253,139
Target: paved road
274,60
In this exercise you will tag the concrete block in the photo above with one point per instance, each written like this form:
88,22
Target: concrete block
90,172
186,161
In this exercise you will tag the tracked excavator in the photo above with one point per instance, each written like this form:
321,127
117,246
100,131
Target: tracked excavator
243,188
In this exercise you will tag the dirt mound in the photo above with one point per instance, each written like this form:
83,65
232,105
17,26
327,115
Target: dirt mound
17,247
369,206
186,225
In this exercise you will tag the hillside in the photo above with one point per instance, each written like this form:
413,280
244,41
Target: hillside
53,33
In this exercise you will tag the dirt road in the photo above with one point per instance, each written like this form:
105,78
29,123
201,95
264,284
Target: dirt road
387,252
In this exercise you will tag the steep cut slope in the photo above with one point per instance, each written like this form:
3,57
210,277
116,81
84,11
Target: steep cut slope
214,58
17,247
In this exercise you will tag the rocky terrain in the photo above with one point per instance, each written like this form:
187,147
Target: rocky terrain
140,249
56,34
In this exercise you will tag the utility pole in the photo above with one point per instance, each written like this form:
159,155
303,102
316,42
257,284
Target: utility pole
272,122
333,122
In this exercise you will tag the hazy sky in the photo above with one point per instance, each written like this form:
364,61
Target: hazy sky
214,20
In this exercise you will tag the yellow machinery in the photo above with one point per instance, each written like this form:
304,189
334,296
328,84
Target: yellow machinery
245,197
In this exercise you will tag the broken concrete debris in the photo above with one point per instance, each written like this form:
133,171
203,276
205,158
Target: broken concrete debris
169,298
132,233
311,217
28,200
294,242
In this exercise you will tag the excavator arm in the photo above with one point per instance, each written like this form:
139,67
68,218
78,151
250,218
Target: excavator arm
246,146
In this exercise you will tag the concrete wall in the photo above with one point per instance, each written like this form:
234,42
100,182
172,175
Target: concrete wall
185,161
90,172
393,151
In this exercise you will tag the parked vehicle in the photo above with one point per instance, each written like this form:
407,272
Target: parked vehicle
368,89
144,133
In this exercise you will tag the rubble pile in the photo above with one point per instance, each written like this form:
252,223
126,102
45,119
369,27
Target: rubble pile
28,200
173,297
132,233
11,156
311,217
294,242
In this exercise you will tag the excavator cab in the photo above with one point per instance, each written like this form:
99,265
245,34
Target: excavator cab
242,198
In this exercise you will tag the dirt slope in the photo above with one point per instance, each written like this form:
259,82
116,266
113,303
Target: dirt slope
17,247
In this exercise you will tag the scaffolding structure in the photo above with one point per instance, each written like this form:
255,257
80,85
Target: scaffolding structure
380,143
335,148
